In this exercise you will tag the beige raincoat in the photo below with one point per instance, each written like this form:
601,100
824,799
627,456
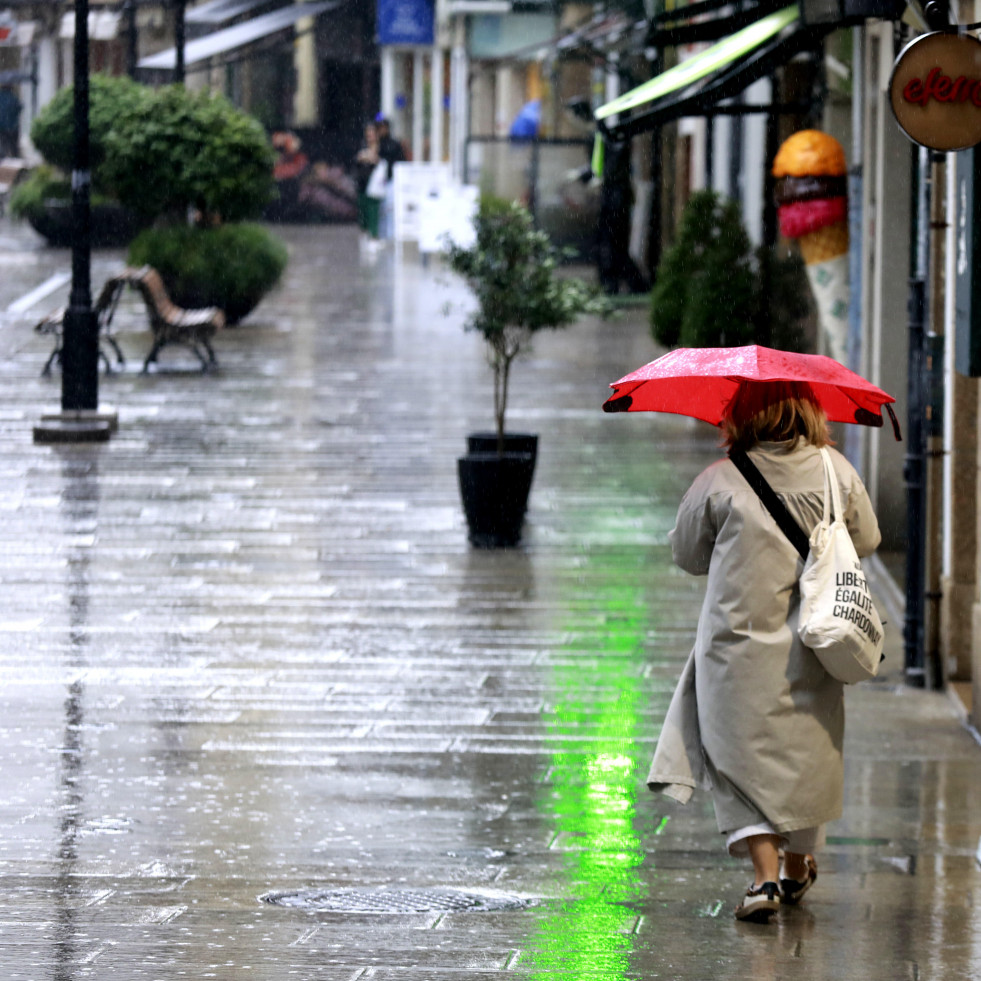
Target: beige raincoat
755,718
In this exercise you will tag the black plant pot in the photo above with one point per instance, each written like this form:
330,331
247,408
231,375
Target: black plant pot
495,489
111,225
513,443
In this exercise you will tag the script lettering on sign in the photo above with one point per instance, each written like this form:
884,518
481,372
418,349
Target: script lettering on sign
935,91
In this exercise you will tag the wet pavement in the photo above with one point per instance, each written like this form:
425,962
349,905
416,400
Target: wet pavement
266,714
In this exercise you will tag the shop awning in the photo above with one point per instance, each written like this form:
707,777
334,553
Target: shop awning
221,11
720,72
204,48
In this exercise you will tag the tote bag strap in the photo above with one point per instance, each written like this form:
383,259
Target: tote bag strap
832,494
771,502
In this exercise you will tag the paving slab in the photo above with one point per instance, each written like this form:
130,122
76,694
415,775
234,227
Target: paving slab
248,652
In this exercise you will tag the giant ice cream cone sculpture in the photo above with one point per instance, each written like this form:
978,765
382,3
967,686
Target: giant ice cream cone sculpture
812,207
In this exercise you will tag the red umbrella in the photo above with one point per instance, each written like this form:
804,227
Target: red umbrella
700,382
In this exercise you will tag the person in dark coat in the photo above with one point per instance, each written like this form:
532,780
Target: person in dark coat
389,148
616,203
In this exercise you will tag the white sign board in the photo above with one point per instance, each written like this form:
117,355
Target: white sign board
412,184
448,213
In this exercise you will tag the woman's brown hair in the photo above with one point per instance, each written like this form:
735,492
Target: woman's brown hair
783,412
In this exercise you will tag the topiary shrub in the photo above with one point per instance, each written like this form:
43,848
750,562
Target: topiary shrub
705,292
176,151
228,266
714,290
42,184
53,130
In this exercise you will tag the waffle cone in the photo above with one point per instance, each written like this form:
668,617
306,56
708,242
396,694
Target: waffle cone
824,244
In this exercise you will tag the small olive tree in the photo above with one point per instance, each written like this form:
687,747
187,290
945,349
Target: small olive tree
512,268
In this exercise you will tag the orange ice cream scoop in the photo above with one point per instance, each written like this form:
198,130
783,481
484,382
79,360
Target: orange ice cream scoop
810,153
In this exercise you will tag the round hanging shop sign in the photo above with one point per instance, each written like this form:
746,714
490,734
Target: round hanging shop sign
935,91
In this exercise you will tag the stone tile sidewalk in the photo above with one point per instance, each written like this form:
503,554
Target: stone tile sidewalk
266,714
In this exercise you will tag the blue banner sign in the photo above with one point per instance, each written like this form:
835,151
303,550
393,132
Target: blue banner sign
405,21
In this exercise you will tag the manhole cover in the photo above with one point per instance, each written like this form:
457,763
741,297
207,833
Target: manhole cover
395,901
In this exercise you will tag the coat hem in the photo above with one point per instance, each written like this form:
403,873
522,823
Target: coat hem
679,790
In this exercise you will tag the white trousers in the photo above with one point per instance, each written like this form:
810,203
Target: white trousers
806,841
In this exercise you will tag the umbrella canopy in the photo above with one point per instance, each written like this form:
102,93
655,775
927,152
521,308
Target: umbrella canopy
700,382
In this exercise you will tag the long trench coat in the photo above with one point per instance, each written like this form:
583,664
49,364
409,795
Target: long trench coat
755,718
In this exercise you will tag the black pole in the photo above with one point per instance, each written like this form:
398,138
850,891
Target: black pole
129,13
914,468
914,471
179,37
80,344
654,238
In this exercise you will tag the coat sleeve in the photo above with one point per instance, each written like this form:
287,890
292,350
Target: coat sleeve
693,536
860,519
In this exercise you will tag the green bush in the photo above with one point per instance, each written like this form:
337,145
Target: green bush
229,266
53,130
714,290
41,184
784,299
705,292
175,151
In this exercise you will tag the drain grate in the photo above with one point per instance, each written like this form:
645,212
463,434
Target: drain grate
395,901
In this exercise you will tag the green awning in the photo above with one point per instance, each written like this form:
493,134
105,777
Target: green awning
704,64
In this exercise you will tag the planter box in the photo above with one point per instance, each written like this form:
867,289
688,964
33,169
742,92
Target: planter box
494,488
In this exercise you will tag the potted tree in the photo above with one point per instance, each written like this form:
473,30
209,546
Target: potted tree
512,269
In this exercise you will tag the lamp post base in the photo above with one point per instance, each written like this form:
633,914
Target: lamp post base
77,426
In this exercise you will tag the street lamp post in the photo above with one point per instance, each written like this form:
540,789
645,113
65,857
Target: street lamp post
180,33
80,352
79,419
129,13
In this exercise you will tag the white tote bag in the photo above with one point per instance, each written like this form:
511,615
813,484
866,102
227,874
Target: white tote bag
378,182
838,620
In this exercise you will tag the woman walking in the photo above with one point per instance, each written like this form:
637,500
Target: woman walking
755,718
369,203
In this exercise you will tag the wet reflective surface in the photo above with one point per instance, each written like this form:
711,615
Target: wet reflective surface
247,651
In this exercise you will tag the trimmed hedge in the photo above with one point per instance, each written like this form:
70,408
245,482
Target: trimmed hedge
229,266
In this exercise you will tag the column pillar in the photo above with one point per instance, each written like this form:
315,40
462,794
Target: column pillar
436,106
418,109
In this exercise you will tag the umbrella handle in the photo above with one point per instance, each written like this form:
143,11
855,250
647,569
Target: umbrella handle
895,423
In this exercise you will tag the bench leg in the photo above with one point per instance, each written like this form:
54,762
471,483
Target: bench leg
111,341
55,355
211,362
152,356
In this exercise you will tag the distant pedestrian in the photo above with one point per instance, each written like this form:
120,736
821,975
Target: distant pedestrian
10,108
389,148
614,261
392,152
369,169
755,718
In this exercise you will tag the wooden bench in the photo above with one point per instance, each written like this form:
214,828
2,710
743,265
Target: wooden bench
172,324
105,308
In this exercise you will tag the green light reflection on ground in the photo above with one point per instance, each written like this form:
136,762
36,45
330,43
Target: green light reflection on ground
591,799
